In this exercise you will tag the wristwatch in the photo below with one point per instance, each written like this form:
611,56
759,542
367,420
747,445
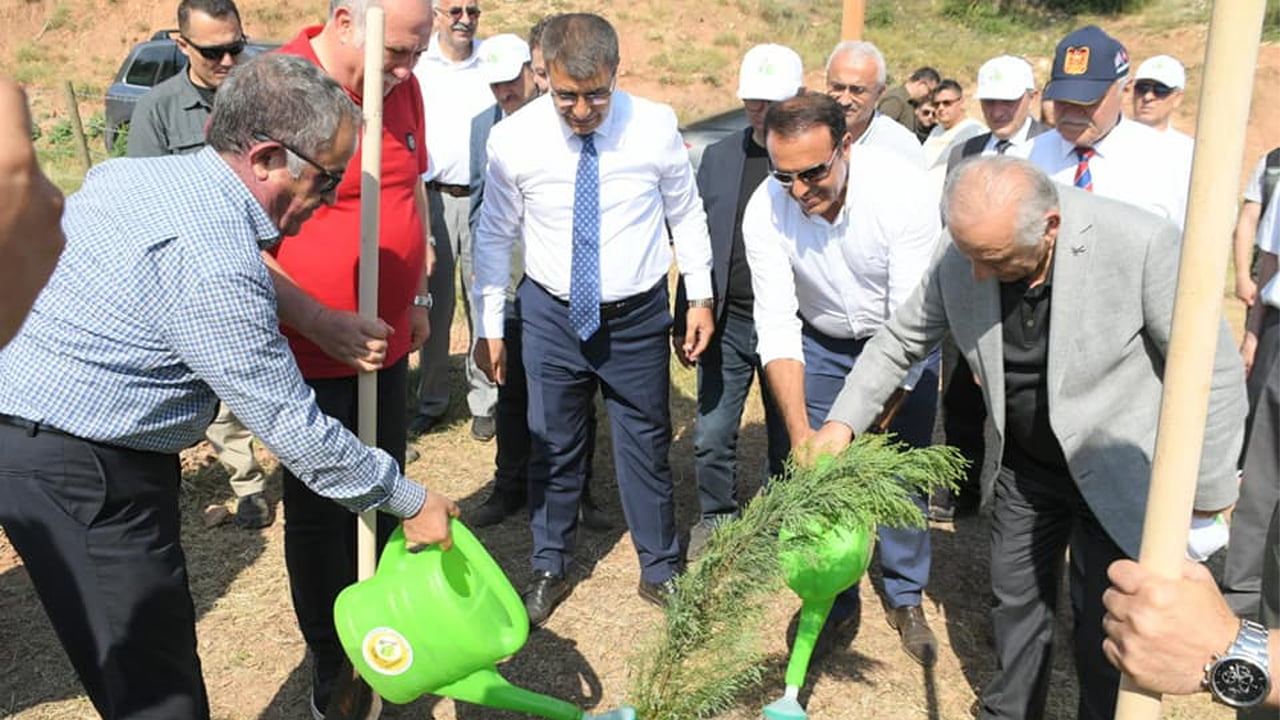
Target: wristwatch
703,303
1241,677
423,301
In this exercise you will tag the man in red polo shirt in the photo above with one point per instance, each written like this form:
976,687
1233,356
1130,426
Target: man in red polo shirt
322,260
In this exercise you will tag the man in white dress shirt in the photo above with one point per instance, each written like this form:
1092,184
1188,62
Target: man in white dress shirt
855,79
591,178
1158,87
1093,146
454,90
832,253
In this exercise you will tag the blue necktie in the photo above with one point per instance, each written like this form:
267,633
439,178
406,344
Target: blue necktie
584,281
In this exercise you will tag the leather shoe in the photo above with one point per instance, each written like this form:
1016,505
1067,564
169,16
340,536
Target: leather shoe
483,428
917,638
253,512
544,595
423,424
659,593
496,508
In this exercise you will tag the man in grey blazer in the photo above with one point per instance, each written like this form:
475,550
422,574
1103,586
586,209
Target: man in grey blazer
1061,302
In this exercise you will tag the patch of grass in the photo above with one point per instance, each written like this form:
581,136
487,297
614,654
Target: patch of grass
33,65
688,65
879,15
59,18
726,39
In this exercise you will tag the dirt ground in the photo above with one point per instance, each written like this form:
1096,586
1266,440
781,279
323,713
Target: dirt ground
254,658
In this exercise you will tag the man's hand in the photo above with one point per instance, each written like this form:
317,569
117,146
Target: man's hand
431,524
31,237
419,327
430,264
349,338
1248,349
700,326
829,440
677,347
490,356
1246,288
1163,632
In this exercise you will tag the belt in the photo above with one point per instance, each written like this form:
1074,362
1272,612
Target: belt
31,427
611,310
447,189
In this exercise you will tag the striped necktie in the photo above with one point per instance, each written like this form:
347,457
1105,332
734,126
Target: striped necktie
1084,178
584,275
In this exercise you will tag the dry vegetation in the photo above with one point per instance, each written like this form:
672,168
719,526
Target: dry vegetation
683,52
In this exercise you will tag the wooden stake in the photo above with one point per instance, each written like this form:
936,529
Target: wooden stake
851,24
1230,59
77,129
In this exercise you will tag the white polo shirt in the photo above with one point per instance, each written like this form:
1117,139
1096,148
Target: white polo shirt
1268,240
844,277
1133,164
452,94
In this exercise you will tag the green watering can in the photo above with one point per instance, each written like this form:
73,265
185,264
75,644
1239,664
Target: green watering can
439,622
819,565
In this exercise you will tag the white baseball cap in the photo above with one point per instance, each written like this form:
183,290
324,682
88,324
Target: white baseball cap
1005,78
770,72
1164,69
502,57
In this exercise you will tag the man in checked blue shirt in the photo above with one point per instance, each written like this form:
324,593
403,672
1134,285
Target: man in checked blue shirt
94,406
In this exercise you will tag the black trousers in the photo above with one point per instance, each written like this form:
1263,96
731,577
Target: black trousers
98,530
320,534
1035,517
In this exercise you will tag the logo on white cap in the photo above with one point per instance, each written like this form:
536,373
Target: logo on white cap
1005,78
770,72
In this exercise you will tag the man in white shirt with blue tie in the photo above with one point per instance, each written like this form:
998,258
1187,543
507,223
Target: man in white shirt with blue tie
832,253
590,178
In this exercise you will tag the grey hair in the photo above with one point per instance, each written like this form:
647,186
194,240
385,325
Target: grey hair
357,8
580,44
862,50
995,182
284,97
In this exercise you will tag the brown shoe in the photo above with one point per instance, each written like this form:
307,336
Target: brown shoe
917,639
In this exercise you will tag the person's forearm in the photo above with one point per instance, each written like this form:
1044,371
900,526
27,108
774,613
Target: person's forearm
785,378
424,212
1242,239
1267,264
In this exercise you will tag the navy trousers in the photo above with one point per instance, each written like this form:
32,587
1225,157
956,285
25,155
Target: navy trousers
905,553
98,530
725,372
628,360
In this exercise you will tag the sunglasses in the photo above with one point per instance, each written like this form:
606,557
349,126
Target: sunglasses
925,113
810,175
946,103
455,12
216,52
1160,90
329,180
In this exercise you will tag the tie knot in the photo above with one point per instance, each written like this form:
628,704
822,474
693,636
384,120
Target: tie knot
1003,145
1084,153
589,143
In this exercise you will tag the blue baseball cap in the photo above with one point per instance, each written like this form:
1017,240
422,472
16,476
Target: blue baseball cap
1085,65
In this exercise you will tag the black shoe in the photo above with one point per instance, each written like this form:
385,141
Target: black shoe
917,638
659,593
411,455
483,428
544,595
496,508
253,512
422,424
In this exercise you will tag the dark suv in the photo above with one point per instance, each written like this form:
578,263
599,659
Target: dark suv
149,63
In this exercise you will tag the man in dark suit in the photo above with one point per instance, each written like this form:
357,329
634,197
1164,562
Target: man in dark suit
1007,91
1061,302
730,172
505,62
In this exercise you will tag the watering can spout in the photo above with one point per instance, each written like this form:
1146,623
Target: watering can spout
488,688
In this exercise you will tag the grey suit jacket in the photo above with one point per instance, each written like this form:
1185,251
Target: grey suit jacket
1114,279
481,125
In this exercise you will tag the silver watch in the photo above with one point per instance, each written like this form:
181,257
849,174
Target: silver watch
703,303
423,301
1241,677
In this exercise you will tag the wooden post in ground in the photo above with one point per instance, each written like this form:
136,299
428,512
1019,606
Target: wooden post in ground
851,24
77,128
1230,60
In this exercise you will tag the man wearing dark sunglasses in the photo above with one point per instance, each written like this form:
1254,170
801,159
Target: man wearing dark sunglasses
1157,93
170,118
454,91
836,239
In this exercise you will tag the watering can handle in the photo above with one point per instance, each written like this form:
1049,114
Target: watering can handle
471,547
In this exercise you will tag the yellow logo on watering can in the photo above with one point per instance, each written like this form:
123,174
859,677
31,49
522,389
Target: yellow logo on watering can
1076,61
386,651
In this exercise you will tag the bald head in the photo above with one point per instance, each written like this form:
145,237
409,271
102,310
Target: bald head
1003,215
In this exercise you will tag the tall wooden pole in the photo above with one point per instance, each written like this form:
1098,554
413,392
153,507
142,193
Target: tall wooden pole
1230,59
370,208
851,24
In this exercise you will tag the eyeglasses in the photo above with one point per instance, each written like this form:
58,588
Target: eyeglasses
330,180
809,175
1160,90
945,103
925,113
595,98
840,89
216,52
455,12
